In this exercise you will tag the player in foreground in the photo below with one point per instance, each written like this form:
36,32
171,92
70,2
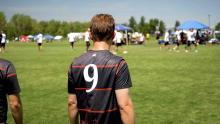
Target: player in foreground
99,82
9,88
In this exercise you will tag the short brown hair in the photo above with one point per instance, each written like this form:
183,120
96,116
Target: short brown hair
102,27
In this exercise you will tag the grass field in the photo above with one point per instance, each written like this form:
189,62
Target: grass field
168,87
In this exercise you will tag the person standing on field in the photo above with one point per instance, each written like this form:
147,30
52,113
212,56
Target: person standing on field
99,81
9,92
39,41
87,39
71,38
118,41
178,38
2,41
167,39
191,39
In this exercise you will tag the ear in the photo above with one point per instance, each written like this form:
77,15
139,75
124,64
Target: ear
113,35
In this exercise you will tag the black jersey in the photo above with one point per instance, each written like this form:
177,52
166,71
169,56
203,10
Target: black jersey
8,85
94,77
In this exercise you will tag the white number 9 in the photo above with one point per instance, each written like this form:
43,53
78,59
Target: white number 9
93,79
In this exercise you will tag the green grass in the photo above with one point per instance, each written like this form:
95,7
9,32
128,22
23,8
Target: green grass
168,87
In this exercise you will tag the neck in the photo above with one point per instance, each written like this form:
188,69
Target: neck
101,45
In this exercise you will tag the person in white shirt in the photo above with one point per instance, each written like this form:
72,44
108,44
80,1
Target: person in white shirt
178,37
191,37
118,41
71,38
167,39
142,40
87,39
119,37
39,41
2,41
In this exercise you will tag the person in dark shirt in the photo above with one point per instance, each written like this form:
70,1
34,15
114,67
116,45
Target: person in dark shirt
1,41
9,88
99,82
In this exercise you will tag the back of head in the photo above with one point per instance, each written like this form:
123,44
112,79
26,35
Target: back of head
102,27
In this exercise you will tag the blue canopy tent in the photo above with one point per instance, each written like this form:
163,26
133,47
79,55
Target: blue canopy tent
48,37
192,25
122,28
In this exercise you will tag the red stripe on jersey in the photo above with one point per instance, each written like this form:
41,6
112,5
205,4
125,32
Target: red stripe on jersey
3,69
97,89
10,75
98,66
98,111
78,66
107,66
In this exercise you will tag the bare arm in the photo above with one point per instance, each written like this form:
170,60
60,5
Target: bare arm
16,108
125,106
72,109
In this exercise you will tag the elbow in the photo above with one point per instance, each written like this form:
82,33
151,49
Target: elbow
126,106
72,104
15,106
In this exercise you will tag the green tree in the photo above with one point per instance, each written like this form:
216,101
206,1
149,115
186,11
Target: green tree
43,26
133,23
79,27
21,24
3,21
35,27
147,28
141,25
153,25
162,27
52,27
10,31
177,23
217,27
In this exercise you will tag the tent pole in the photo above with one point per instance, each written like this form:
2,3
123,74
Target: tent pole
126,32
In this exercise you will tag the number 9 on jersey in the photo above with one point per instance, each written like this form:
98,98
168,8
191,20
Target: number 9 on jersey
93,79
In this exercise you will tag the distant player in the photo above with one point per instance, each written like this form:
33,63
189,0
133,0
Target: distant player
191,39
99,82
71,38
87,39
119,37
39,41
2,41
9,88
178,38
118,41
167,39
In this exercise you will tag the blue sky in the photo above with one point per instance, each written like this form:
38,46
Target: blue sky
82,10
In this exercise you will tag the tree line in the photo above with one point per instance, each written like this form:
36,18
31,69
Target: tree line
21,24
147,27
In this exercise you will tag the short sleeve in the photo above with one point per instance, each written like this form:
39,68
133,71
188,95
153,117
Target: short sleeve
71,82
123,79
11,84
